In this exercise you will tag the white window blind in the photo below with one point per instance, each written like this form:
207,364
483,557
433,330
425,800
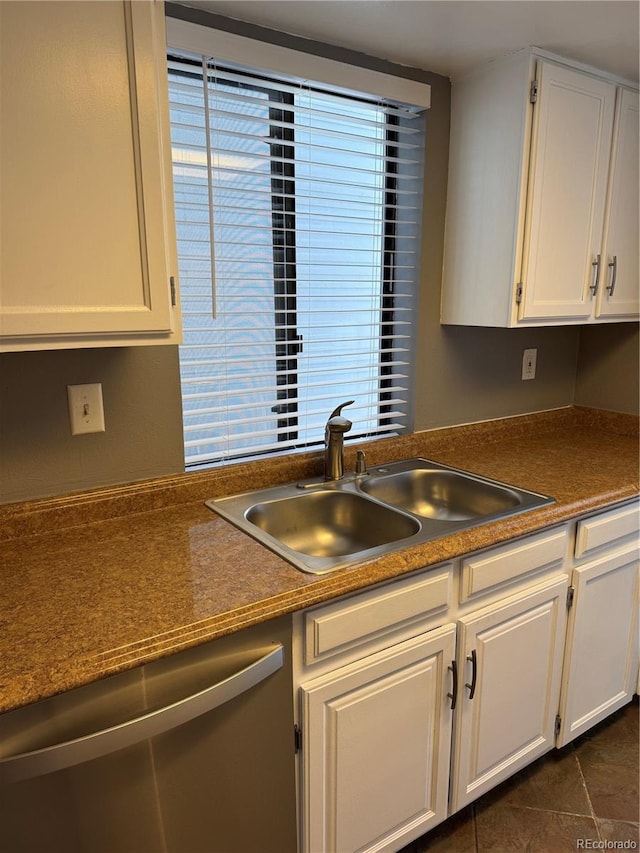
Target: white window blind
297,213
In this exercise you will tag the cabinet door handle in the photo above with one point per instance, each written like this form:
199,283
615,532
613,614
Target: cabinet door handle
613,266
454,696
596,275
474,673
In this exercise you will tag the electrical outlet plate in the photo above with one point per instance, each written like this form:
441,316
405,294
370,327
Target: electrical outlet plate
86,411
529,358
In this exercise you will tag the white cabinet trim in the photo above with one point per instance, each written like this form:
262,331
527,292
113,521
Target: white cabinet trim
500,565
369,616
605,529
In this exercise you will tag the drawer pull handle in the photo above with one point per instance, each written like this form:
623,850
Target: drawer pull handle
613,266
454,696
474,673
596,275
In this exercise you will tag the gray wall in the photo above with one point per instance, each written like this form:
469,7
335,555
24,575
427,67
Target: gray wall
143,420
468,374
608,375
462,374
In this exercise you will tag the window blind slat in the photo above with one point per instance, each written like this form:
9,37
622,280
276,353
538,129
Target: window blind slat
252,448
256,194
317,412
183,108
181,124
196,398
261,433
390,372
269,377
312,202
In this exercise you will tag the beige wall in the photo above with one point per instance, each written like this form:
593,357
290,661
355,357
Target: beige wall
462,374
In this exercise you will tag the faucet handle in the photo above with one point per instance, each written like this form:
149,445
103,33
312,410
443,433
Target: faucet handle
339,409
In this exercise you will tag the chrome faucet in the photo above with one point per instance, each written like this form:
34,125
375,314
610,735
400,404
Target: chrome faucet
334,432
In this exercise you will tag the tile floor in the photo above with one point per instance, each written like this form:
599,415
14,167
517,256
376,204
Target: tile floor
588,790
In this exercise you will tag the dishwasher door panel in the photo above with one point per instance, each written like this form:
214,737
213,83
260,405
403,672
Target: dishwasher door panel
226,781
92,807
189,754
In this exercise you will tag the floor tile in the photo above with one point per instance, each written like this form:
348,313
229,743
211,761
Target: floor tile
550,805
502,829
609,757
457,835
614,741
615,830
552,783
613,790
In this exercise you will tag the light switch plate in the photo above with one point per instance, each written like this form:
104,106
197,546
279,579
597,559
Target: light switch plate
529,358
86,410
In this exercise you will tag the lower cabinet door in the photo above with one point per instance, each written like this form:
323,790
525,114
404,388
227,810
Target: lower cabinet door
510,665
602,642
376,747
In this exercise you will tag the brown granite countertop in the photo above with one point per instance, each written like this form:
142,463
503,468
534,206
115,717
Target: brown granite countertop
96,583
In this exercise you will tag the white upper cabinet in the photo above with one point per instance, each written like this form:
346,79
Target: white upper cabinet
88,244
542,212
619,293
572,125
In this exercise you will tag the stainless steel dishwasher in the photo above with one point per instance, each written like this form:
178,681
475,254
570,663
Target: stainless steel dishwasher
190,754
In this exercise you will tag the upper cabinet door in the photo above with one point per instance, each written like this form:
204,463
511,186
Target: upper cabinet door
542,197
88,247
618,295
569,165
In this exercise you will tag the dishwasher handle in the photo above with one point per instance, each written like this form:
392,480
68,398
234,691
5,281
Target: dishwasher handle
27,765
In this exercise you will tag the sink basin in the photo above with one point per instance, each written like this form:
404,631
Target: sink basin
330,523
322,526
319,526
446,495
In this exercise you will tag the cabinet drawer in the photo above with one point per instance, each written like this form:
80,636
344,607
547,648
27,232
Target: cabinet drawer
482,572
606,528
377,617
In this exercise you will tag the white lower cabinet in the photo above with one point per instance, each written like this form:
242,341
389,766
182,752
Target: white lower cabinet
601,658
376,745
419,695
510,666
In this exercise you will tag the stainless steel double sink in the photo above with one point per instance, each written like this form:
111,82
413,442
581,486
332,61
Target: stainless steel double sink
320,526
